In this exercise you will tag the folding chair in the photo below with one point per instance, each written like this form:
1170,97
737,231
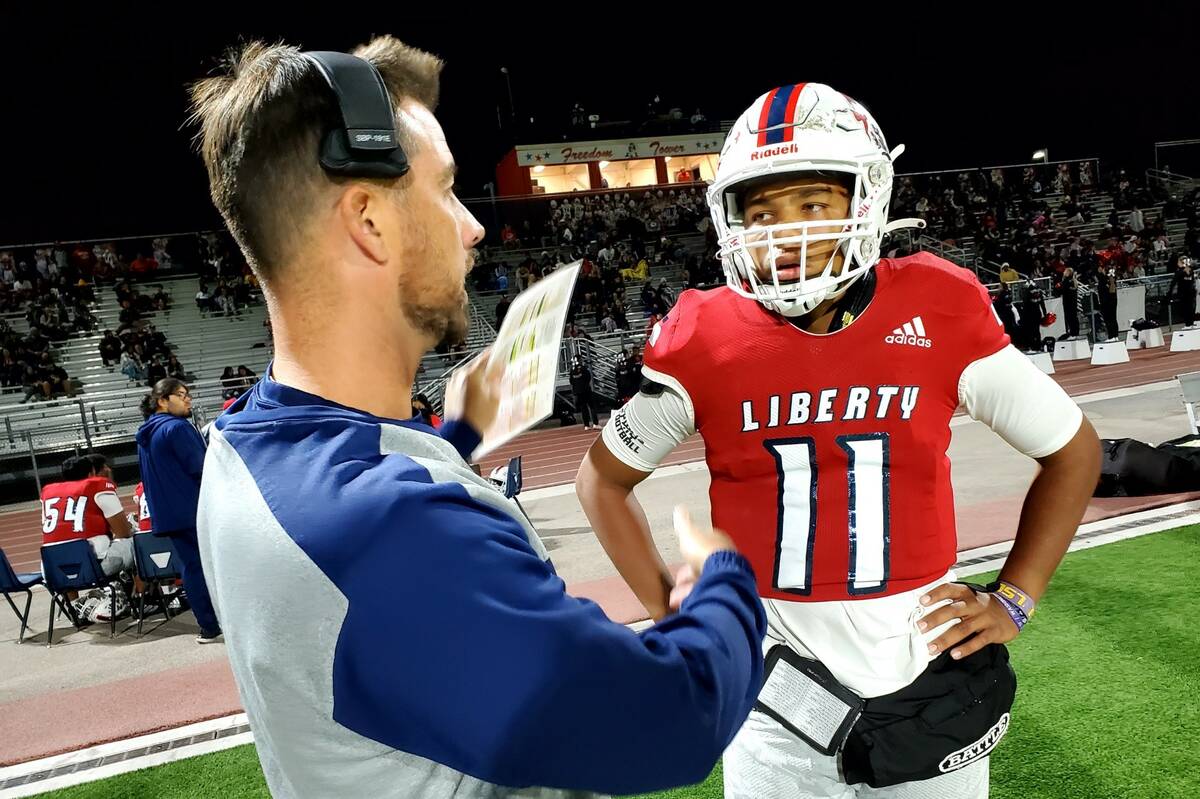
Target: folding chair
12,583
73,566
157,563
1189,382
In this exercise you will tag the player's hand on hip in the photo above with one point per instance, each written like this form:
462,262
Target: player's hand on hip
473,393
982,620
697,543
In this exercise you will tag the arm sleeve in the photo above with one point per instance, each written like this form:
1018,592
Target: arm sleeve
645,430
461,436
472,655
109,504
1019,402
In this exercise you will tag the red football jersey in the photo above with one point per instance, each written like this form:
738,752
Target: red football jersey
70,509
143,509
828,452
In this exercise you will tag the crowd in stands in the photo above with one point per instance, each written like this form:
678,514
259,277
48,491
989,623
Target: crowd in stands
234,385
572,220
1030,217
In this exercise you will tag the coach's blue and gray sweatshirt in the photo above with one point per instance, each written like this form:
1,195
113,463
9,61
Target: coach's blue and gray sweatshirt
396,629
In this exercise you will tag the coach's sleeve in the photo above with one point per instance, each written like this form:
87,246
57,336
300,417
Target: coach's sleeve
472,655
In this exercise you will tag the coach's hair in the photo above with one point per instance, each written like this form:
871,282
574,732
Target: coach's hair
261,120
163,388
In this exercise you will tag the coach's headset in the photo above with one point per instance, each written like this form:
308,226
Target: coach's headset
367,144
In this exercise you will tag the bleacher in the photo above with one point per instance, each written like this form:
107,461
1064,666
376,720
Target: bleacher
106,407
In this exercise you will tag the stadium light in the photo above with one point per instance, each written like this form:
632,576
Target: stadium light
666,158
540,168
1042,155
603,164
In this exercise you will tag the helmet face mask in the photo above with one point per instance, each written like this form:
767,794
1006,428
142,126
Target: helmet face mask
802,132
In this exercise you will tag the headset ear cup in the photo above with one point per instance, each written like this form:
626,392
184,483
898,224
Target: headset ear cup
335,150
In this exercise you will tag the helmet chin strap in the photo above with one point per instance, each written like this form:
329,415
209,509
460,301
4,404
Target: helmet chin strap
825,286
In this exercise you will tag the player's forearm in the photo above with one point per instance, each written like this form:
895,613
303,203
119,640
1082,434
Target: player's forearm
1052,511
621,526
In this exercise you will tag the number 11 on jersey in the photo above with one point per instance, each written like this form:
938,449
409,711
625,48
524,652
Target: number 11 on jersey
867,513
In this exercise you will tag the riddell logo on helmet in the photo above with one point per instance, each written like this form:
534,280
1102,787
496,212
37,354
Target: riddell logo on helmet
773,150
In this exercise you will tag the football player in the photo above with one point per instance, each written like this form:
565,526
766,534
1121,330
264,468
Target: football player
823,380
85,505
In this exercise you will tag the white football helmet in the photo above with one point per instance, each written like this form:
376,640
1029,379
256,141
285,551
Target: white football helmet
803,128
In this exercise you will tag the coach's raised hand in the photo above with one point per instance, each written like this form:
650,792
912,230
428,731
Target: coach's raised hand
473,393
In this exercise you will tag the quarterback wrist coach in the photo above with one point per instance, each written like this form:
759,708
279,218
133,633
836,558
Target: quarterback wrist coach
951,716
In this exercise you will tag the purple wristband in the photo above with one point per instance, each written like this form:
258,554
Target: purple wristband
1015,613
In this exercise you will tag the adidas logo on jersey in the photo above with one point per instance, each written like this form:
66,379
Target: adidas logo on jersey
912,333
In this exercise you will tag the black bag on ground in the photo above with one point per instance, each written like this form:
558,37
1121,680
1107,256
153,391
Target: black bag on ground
1131,468
951,716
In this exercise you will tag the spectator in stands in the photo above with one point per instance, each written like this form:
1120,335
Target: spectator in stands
142,266
204,298
11,370
502,310
131,366
1068,288
60,381
508,238
171,454
175,368
574,331
607,323
581,385
1008,274
87,488
1183,293
246,377
226,302
155,371
35,341
230,384
110,348
424,408
666,295
649,298
1106,290
83,320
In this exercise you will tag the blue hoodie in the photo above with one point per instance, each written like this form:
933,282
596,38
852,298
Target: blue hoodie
171,454
396,629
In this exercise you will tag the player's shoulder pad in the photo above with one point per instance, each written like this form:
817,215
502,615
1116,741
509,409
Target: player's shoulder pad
938,277
100,484
682,324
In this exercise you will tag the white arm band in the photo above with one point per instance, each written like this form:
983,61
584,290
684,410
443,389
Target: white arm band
645,430
109,504
1019,402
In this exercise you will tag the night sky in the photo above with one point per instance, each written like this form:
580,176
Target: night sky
92,107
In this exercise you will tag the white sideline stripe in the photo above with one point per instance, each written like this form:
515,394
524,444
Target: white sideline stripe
1147,522
1155,520
116,748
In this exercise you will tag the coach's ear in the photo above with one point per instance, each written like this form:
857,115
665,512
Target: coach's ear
363,214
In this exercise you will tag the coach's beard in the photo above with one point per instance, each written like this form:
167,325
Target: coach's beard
444,325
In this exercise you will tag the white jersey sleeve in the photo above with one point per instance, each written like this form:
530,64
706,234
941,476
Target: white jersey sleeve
109,504
1019,402
645,430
